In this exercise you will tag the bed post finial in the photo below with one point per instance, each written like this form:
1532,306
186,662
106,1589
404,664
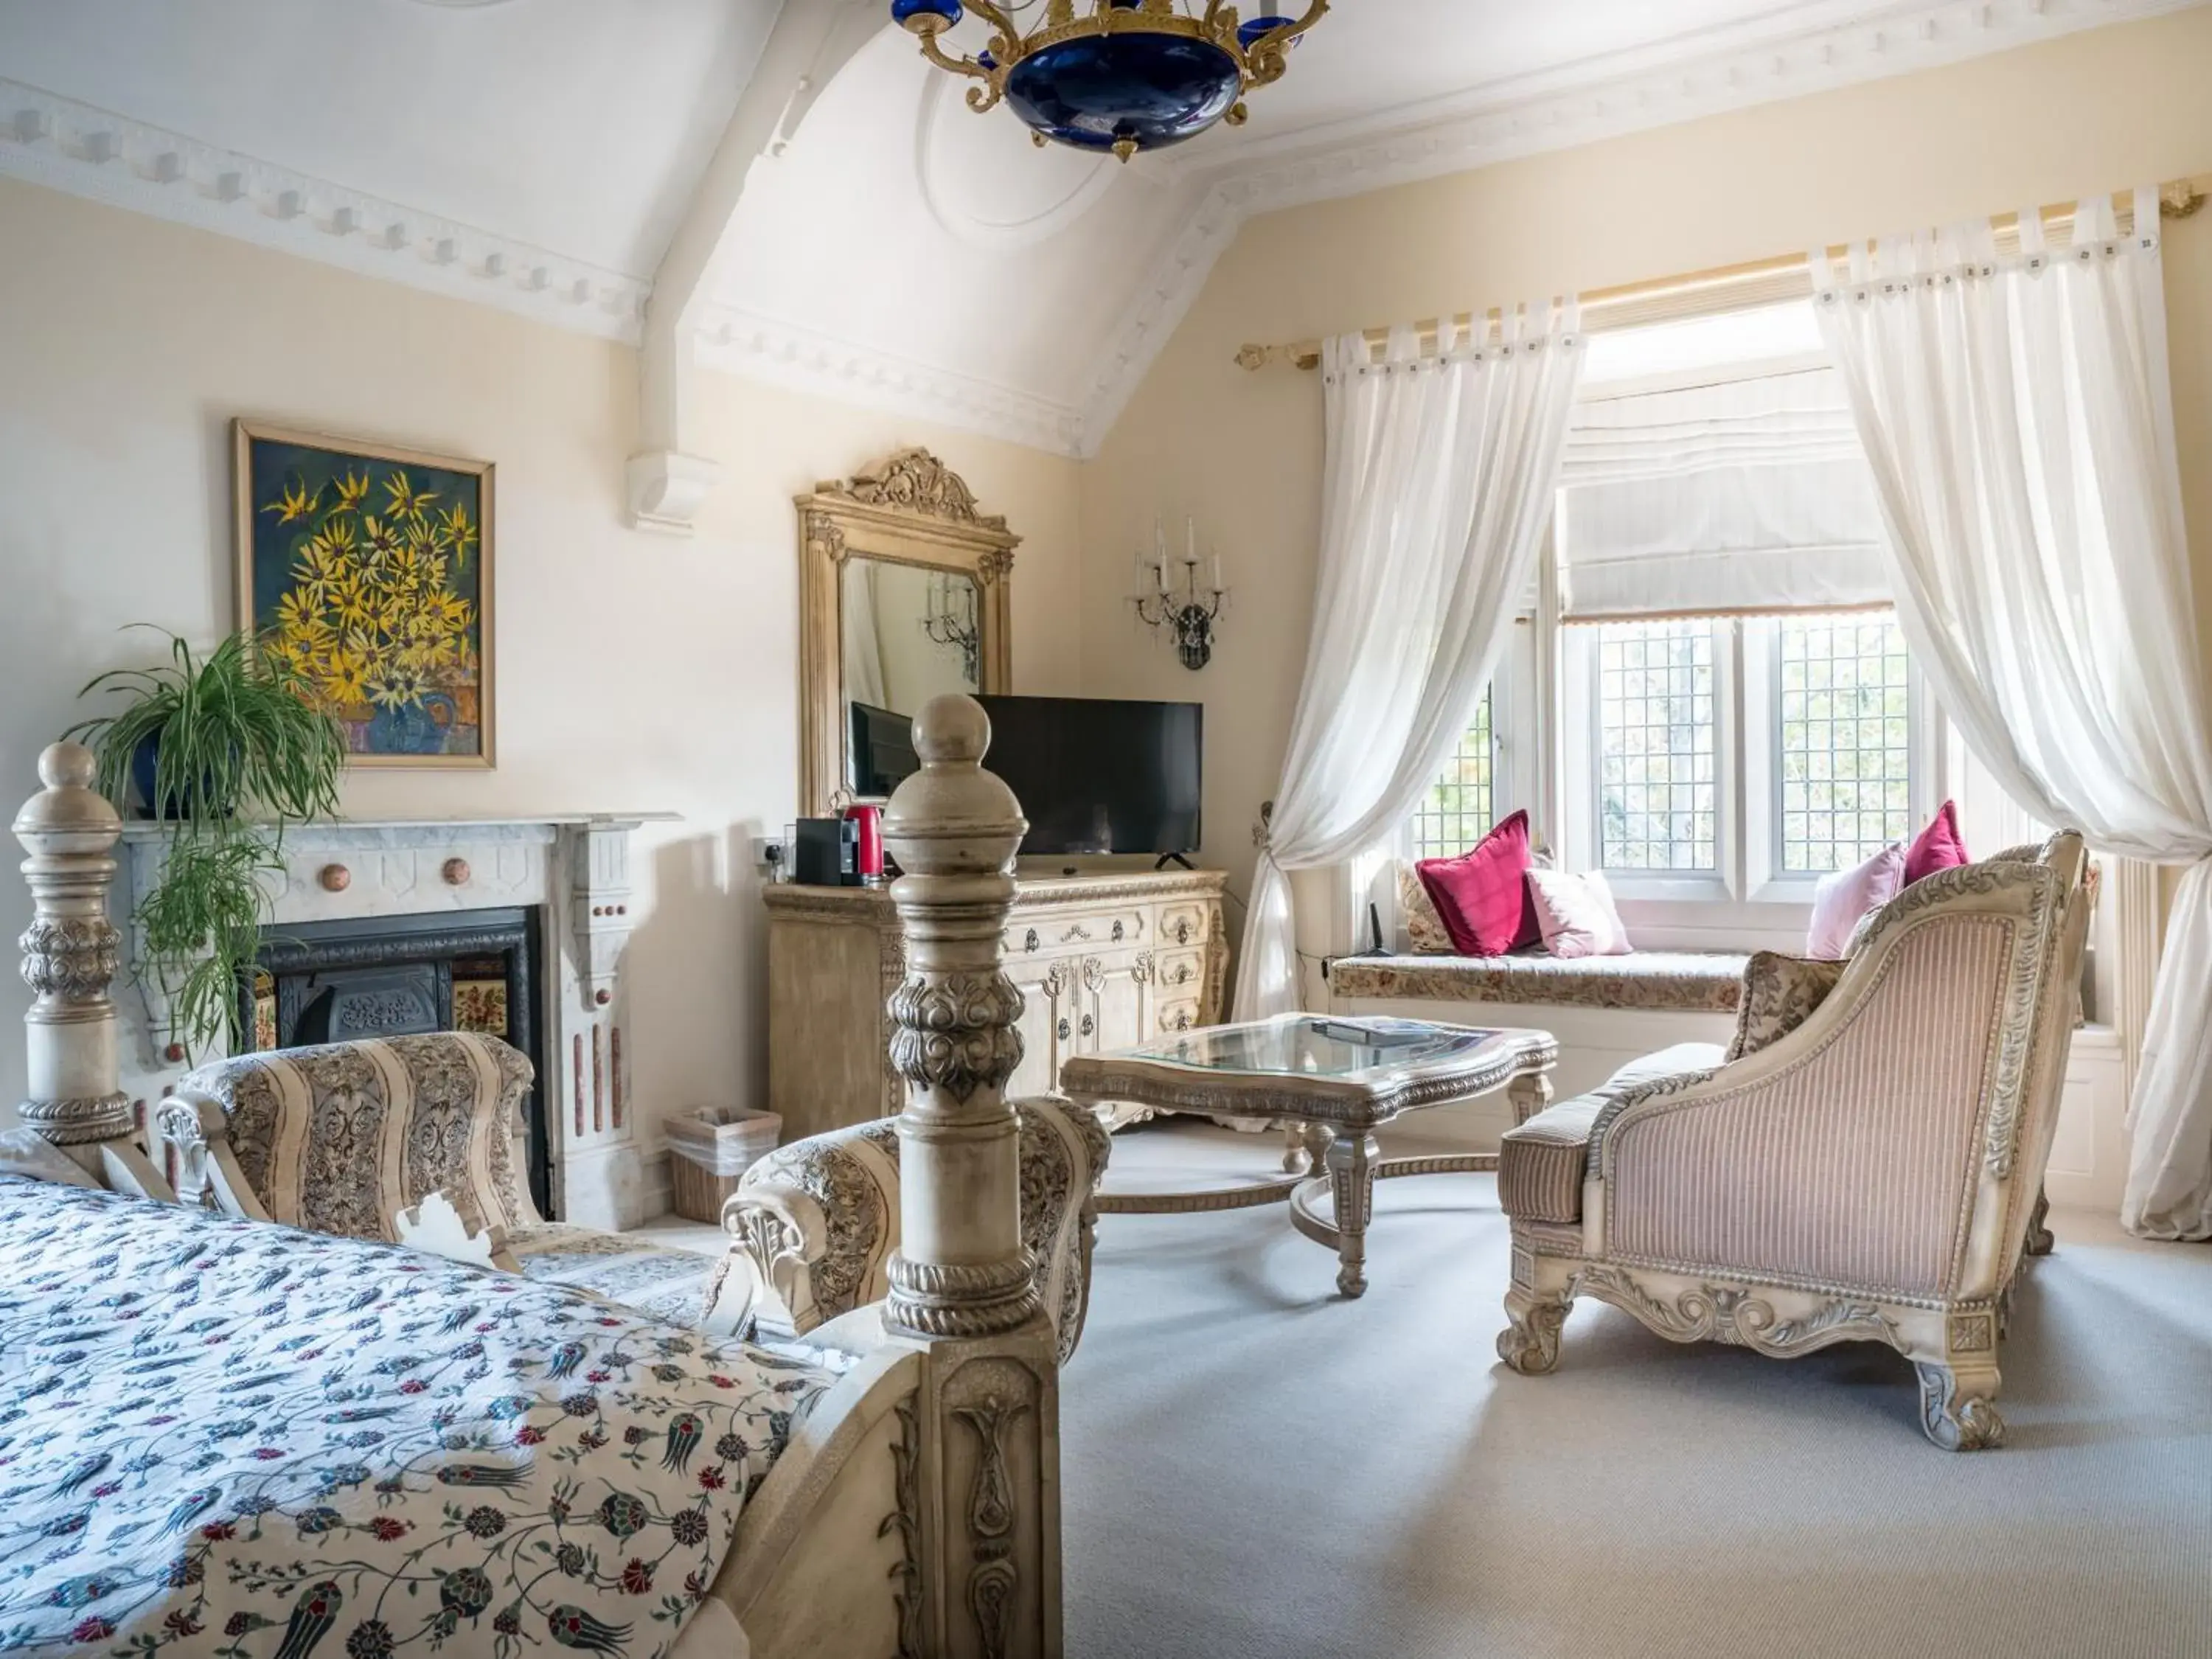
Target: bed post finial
961,1270
75,1097
981,1575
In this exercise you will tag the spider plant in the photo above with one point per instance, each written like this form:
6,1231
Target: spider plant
230,735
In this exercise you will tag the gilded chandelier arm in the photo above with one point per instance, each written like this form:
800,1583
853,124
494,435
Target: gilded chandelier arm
1265,60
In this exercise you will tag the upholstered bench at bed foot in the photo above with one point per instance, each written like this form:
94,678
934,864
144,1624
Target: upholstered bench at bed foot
682,1287
1541,1162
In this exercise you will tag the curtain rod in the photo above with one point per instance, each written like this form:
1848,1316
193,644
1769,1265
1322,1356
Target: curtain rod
1715,291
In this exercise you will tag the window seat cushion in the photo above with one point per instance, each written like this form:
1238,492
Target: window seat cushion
1685,981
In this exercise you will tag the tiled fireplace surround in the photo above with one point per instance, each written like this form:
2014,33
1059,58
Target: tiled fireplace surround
573,871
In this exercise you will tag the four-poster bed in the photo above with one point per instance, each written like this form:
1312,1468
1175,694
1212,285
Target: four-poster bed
912,1509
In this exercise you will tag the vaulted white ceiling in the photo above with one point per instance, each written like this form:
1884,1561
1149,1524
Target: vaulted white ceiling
892,248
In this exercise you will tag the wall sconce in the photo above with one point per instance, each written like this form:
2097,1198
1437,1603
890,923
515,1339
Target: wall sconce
950,621
1190,611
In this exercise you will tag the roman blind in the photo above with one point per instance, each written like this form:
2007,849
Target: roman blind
1746,494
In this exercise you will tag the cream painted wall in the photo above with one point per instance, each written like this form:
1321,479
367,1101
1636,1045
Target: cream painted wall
2094,111
635,671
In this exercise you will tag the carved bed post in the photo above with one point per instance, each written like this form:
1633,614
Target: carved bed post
75,1098
986,1584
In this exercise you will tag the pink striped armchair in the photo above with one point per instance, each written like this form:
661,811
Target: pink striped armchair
1873,1173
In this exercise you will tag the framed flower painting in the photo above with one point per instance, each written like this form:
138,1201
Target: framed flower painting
366,573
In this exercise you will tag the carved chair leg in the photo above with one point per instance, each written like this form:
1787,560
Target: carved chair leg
1530,1342
1956,1405
1529,1094
2041,1239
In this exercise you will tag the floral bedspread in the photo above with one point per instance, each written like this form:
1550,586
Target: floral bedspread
228,1438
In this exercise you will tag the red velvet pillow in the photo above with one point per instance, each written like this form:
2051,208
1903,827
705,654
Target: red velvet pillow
1937,848
1482,896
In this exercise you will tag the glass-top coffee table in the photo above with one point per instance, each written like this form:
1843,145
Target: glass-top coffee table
1330,1081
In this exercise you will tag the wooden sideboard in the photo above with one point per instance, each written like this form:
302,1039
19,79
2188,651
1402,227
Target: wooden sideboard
1104,962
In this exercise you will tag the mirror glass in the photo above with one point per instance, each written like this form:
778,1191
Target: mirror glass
910,634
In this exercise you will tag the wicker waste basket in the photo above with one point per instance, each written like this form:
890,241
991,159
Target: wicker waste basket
710,1147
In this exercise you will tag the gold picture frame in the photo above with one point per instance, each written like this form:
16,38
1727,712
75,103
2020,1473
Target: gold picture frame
371,566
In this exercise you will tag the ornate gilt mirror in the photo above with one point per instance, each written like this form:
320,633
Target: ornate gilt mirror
903,596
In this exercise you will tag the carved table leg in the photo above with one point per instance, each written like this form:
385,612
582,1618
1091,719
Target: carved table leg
1530,1342
1349,1160
2041,1239
1956,1406
1529,1093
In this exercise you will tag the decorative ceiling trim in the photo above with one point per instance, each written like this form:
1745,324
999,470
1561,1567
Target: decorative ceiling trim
1900,39
88,152
777,353
1009,235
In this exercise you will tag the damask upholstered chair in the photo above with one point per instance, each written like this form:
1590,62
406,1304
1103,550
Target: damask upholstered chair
1872,1170
813,1221
342,1139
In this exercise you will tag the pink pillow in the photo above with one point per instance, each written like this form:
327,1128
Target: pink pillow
1937,848
1844,899
1480,896
1576,914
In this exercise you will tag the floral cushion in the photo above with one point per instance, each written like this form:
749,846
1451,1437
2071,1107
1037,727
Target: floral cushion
225,1436
1424,928
1779,994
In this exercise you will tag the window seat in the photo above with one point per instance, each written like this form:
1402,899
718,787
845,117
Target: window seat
1671,981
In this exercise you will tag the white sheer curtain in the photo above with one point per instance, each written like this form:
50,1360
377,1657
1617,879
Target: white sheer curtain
1441,470
2017,414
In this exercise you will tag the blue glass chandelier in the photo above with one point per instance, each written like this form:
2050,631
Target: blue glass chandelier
1126,75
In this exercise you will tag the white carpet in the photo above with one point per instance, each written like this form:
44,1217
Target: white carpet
1255,1469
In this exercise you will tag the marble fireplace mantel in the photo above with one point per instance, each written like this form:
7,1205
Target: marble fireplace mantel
572,868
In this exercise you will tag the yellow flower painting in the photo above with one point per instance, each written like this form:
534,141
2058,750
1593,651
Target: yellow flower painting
368,573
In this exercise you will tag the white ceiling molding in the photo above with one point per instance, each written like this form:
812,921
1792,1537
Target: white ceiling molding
804,360
88,152
1004,225
1900,40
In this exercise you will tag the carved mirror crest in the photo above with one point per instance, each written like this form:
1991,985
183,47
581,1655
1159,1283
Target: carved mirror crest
903,596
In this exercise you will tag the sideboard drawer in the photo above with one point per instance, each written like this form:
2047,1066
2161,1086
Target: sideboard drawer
1084,930
1179,970
1183,924
1180,1014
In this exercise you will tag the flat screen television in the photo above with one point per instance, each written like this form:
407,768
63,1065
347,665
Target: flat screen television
1095,775
882,751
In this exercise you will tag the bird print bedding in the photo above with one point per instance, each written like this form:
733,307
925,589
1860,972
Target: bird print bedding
229,1438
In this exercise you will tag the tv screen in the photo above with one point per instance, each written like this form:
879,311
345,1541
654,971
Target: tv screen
1098,775
882,749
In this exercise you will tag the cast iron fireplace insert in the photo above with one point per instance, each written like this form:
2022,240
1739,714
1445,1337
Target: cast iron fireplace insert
386,976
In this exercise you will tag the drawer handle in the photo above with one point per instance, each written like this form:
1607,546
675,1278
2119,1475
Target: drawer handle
1182,975
1029,941
1087,1026
1182,933
1063,1030
1180,1023
1117,933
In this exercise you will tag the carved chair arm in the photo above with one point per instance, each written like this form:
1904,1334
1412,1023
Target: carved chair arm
780,1238
193,1129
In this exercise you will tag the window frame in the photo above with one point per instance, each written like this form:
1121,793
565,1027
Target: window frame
1766,880
1583,789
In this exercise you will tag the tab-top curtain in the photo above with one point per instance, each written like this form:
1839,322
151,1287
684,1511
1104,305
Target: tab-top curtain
1440,475
2017,414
